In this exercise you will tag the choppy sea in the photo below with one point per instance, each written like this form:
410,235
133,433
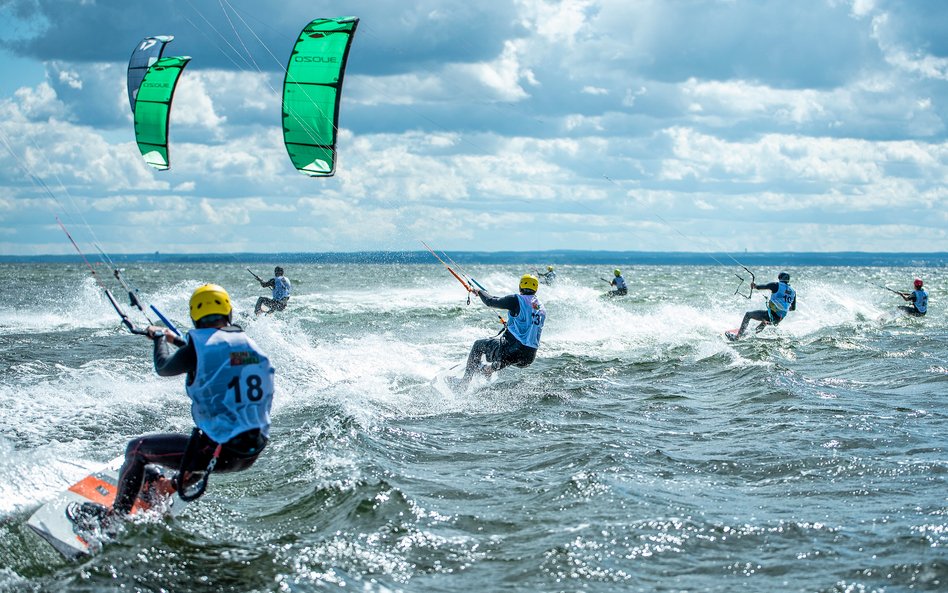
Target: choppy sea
641,452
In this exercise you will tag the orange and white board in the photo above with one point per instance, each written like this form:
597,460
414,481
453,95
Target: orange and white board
51,523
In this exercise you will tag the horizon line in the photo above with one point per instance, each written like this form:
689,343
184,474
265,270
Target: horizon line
556,256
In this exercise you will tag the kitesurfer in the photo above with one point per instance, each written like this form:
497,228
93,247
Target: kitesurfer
622,288
918,298
281,293
549,277
518,342
782,301
230,384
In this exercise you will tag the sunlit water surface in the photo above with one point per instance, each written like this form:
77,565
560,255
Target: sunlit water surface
641,452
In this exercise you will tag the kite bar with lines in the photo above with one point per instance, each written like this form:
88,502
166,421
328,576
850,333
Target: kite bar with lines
750,292
133,295
259,279
463,272
453,273
125,320
901,294
118,309
164,319
459,279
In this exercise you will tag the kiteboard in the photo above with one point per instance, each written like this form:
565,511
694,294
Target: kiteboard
72,540
732,334
449,381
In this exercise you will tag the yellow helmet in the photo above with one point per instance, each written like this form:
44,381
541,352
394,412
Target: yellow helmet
529,282
209,299
549,268
617,272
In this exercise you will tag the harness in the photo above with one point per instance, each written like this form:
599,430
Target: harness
190,453
244,446
503,326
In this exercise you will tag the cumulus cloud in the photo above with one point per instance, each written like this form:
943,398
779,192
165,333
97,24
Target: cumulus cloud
528,123
35,104
741,97
915,62
61,153
779,158
193,109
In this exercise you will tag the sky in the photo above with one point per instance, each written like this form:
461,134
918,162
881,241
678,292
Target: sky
639,125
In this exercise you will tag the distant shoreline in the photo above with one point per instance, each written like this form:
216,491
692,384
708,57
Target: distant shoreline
533,258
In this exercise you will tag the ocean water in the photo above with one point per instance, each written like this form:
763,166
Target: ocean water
641,452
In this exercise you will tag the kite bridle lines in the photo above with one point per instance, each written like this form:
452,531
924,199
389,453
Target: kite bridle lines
125,320
132,292
247,57
463,278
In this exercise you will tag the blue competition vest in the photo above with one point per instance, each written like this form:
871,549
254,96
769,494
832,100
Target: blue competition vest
620,283
526,326
921,300
281,288
233,384
780,301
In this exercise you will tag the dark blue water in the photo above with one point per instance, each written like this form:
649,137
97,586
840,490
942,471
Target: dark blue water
641,452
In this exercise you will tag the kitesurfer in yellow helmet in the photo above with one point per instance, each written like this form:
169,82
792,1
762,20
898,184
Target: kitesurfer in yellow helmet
281,293
517,344
548,277
230,384
622,288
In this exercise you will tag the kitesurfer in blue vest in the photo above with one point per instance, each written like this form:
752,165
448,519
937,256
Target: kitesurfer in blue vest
619,282
230,384
549,277
782,301
518,343
281,293
918,298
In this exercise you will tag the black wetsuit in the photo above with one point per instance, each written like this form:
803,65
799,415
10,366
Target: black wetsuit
271,304
168,449
766,315
503,350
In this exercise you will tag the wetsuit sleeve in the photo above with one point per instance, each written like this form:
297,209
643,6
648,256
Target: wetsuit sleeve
269,283
509,302
184,360
772,287
793,305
